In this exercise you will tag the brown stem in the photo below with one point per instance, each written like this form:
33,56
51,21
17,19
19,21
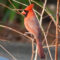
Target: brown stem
57,22
32,57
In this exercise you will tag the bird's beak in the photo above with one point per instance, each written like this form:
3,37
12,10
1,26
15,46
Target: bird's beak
23,13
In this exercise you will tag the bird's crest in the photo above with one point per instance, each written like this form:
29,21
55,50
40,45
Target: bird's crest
29,7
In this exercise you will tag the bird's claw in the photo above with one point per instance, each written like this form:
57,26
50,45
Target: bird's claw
26,33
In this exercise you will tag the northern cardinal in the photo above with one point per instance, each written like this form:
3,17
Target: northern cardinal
32,25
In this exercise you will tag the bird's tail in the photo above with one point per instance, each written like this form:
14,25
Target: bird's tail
40,49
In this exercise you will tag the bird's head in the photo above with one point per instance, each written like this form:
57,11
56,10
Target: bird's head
27,9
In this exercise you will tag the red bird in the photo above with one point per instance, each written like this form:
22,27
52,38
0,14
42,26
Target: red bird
32,25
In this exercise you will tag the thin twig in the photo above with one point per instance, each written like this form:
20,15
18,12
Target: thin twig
47,45
32,50
11,3
41,16
57,22
47,30
53,42
29,1
19,2
6,6
7,52
6,27
51,46
36,53
17,11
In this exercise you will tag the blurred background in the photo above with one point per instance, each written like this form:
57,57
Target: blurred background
19,45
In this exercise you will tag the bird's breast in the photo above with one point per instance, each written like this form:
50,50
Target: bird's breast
32,25
26,23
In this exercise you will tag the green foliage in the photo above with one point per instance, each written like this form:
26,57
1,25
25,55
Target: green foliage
11,15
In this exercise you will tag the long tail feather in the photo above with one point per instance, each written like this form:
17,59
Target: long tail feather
40,49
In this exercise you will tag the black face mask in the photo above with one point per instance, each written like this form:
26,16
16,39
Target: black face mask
26,12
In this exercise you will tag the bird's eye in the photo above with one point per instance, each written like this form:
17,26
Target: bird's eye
26,12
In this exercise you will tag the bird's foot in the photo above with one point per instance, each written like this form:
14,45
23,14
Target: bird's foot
27,33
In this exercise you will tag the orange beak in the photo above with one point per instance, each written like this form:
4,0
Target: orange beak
23,13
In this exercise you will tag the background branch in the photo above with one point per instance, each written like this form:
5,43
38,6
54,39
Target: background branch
57,22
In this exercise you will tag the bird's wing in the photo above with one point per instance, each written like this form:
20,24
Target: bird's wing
33,25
